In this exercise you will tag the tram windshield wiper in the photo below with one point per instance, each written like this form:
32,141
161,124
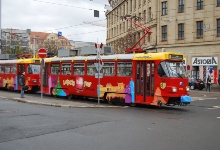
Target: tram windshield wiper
179,75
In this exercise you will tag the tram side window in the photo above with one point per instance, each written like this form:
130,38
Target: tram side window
91,69
78,68
108,69
7,69
1,69
55,69
66,69
124,69
13,68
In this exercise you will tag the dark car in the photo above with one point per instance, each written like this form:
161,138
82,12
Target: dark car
196,84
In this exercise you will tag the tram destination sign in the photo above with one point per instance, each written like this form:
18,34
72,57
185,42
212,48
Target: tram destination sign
177,57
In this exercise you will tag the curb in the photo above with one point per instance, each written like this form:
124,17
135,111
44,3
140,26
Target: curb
60,105
81,105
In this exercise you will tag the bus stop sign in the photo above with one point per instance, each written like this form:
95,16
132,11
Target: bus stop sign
42,53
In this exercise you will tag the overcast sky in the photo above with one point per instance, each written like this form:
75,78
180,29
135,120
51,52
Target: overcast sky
50,16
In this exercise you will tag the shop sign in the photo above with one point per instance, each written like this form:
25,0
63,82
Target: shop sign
204,61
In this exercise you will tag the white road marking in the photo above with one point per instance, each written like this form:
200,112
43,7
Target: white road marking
214,107
202,99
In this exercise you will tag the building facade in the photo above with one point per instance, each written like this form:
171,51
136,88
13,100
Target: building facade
50,41
14,41
191,27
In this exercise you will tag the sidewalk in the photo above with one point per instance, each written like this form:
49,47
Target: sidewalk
214,93
52,101
62,102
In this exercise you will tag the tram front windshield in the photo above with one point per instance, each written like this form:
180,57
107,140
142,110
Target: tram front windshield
33,69
171,69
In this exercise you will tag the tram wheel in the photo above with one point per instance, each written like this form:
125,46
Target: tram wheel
69,96
132,104
109,102
53,92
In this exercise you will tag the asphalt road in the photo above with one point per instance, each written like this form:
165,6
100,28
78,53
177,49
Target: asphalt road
26,126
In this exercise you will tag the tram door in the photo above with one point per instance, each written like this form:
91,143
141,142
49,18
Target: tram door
145,81
45,77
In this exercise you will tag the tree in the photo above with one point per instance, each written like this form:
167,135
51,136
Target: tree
52,46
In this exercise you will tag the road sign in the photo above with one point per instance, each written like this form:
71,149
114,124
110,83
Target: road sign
188,67
210,70
42,53
59,33
98,75
98,66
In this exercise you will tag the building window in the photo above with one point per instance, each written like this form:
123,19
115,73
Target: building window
164,33
218,3
134,4
149,14
199,4
145,16
180,31
139,3
218,27
164,8
181,6
199,25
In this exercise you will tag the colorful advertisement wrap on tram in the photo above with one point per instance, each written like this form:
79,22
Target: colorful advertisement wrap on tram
143,78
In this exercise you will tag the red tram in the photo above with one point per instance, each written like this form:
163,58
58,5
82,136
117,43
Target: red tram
10,71
142,78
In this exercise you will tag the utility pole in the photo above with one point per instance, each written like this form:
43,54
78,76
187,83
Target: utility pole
0,26
34,47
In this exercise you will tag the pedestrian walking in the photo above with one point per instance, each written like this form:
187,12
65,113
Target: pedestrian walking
22,83
209,82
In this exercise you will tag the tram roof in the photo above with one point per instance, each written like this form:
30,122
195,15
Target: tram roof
77,58
8,61
125,56
158,56
29,60
133,56
113,57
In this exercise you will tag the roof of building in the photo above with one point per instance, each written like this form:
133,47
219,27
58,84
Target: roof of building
43,35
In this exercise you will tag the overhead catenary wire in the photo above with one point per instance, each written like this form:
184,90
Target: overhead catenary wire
65,5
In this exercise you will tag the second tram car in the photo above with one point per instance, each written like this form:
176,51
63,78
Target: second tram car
142,78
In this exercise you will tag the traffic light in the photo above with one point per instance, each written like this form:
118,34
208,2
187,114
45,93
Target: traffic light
96,13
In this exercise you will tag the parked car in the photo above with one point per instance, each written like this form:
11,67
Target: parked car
196,84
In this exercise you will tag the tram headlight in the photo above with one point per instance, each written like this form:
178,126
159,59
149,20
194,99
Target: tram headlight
174,89
187,88
34,81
